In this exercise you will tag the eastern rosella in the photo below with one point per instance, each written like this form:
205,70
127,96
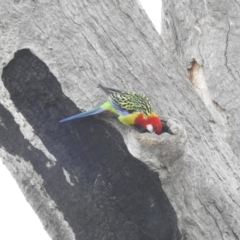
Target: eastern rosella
131,108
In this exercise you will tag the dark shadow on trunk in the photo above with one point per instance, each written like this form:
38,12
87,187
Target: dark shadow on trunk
114,195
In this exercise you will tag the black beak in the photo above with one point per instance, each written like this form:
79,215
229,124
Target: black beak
165,127
140,129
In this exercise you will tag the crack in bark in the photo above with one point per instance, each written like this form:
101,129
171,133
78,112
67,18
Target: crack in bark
94,50
226,49
213,217
114,44
237,3
80,25
235,235
197,78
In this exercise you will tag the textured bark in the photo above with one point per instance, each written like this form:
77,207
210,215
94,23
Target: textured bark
80,177
204,37
94,186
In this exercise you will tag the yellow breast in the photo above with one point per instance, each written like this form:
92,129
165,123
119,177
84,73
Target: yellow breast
128,119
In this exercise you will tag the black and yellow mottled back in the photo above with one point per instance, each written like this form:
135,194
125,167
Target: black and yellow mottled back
128,102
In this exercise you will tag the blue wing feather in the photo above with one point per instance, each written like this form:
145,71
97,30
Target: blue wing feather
84,114
121,110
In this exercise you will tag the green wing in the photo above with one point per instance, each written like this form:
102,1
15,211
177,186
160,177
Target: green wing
128,102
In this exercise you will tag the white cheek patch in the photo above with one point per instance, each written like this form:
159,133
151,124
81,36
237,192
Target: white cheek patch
150,128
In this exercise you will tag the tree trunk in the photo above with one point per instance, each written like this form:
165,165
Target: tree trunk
203,35
85,179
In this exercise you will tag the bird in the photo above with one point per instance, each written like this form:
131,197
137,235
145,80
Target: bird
132,109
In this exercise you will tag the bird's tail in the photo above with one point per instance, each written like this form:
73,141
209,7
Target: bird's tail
93,111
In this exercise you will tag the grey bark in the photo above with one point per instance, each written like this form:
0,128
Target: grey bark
114,43
203,36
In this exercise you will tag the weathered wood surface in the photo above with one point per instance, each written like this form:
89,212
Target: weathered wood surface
204,37
79,177
208,32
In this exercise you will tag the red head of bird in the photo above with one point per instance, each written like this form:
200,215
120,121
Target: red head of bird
152,123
